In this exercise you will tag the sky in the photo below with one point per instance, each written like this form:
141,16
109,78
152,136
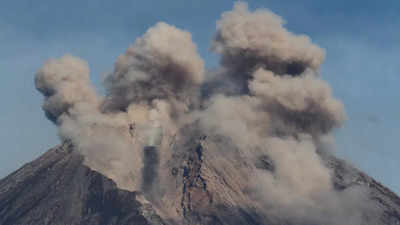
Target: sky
361,40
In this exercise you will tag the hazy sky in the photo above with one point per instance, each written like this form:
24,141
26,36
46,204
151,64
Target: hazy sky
361,38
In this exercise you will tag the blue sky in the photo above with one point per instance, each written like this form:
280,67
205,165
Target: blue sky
361,38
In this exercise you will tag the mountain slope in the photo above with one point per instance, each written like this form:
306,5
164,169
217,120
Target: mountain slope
346,176
58,189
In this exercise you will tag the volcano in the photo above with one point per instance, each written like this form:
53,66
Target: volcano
249,142
57,188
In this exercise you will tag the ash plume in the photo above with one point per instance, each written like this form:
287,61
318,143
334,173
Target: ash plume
304,102
64,83
251,40
273,108
163,64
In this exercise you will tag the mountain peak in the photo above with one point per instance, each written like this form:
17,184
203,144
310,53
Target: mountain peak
58,188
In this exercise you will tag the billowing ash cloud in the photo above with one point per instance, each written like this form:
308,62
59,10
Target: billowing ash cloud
259,135
251,40
64,83
304,102
163,64
154,83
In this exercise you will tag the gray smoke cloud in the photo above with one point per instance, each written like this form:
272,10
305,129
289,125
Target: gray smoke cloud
251,40
304,102
163,64
282,112
64,83
154,82
265,112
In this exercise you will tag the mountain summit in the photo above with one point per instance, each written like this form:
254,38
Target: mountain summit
57,189
172,142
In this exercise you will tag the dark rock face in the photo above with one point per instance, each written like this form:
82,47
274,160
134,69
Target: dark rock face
57,189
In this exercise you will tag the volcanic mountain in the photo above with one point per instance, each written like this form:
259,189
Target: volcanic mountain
57,189
173,142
